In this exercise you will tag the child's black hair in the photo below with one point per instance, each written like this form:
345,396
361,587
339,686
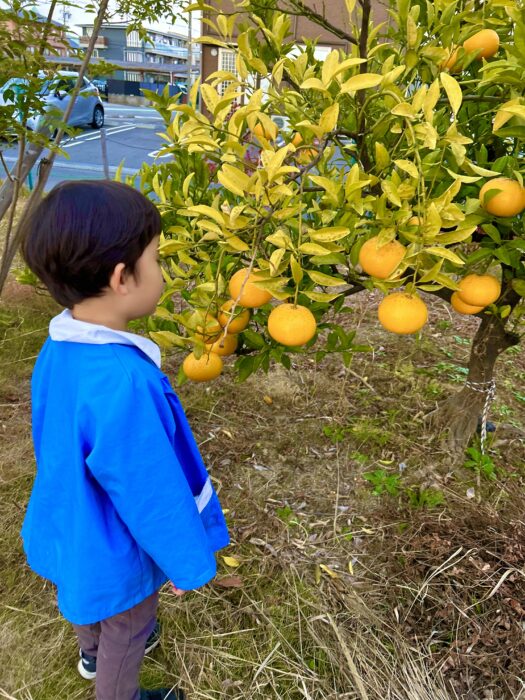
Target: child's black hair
81,230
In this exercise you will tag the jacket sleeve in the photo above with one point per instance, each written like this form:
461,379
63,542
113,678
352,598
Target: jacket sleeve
131,456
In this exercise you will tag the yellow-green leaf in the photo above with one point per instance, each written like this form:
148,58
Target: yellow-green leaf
361,82
329,118
297,270
275,260
463,178
324,280
329,234
321,296
205,210
444,253
231,561
233,179
313,84
166,339
453,90
330,573
382,156
313,249
408,167
430,100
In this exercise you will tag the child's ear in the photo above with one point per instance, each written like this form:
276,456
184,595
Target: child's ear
118,279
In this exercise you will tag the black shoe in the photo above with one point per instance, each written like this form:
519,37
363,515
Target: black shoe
87,666
162,694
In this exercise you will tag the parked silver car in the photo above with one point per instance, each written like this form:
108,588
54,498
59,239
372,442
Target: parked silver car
56,95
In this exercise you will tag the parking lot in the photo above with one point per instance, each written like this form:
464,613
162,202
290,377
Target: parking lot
130,137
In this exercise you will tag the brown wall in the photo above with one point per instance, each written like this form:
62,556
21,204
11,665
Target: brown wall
333,10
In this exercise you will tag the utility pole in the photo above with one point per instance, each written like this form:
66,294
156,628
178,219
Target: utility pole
190,60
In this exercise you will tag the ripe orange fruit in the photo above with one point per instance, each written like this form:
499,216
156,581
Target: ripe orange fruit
450,62
509,202
251,296
241,317
291,325
224,346
305,155
381,261
462,308
479,290
208,366
402,313
208,331
261,131
487,40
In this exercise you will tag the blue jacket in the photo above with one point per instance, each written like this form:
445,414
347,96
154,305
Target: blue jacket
121,500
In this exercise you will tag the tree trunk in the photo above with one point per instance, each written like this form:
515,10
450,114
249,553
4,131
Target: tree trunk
458,416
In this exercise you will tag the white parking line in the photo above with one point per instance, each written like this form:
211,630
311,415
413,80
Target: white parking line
114,130
87,134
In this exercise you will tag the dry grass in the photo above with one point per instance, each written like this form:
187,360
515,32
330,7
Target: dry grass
339,594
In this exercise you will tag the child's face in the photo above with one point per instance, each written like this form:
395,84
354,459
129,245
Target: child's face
147,289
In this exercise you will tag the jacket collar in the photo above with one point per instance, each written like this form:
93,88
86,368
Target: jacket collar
65,327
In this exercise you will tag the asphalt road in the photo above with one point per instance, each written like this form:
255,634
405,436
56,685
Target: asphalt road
130,137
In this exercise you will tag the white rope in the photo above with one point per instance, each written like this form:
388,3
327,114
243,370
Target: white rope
488,388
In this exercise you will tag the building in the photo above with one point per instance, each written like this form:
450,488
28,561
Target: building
58,44
163,57
217,58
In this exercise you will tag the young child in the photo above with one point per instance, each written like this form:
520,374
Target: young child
121,501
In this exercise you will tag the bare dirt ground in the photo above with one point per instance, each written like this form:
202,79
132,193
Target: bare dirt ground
356,578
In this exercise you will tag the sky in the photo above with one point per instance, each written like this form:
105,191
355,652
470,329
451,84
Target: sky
79,16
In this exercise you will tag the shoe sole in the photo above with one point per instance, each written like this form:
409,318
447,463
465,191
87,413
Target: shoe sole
152,646
88,675
91,675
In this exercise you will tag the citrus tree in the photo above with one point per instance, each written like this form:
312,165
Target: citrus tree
401,169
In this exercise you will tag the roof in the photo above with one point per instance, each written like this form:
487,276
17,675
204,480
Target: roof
125,25
43,18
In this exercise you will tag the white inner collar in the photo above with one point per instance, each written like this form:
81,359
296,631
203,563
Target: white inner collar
66,328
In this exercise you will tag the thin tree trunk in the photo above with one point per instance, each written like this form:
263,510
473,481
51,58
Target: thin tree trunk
458,416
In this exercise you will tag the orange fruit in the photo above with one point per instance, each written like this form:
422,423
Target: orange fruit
208,366
462,308
291,325
224,346
479,290
251,296
208,331
402,313
381,261
305,155
297,139
508,202
487,40
450,61
241,317
265,133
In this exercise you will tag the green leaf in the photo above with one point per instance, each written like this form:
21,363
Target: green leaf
518,285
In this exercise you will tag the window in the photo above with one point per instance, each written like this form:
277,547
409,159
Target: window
133,39
134,56
132,75
227,63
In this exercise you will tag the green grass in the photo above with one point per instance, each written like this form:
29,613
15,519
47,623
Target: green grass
343,594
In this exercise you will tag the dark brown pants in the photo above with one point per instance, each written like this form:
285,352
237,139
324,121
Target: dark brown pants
119,643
